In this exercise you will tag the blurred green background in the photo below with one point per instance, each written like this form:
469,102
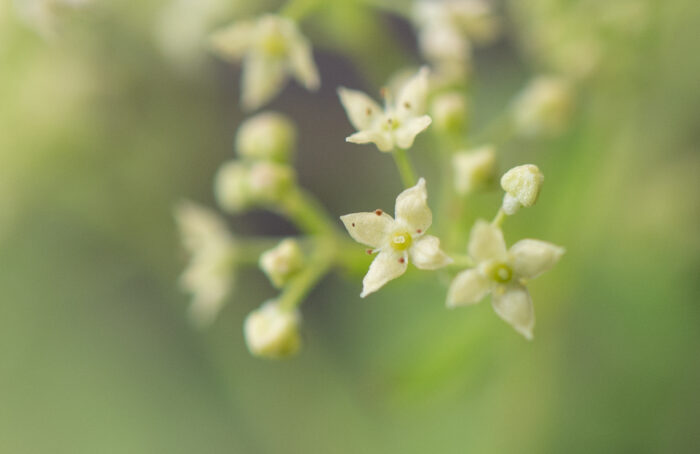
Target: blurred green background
101,134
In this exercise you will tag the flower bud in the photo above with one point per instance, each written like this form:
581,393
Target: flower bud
272,332
282,262
269,182
522,185
544,107
231,186
449,112
473,169
268,136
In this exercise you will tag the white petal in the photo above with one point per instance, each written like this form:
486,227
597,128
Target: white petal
382,140
386,266
468,287
412,208
486,242
410,102
425,253
368,228
263,77
362,111
530,258
513,304
200,227
233,41
524,183
302,64
510,204
409,129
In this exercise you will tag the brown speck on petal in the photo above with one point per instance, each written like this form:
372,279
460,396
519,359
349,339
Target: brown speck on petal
378,212
407,105
401,260
369,111
369,251
417,231
353,224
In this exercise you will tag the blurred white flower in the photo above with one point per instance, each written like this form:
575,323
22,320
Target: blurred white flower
272,332
282,262
240,185
268,136
473,169
271,48
504,273
522,185
43,15
397,240
398,124
544,107
450,112
209,276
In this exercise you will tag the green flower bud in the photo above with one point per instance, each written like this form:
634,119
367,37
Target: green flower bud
268,136
272,332
282,262
232,186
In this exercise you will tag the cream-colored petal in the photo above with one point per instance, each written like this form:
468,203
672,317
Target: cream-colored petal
412,208
233,41
468,287
486,242
524,183
382,140
272,331
263,77
425,253
301,62
530,258
368,228
362,111
388,265
411,99
513,304
409,129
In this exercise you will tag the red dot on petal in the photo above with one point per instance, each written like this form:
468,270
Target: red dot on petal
353,224
419,231
369,251
401,260
378,212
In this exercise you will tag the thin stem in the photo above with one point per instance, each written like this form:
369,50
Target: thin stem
320,262
500,217
403,164
461,261
307,213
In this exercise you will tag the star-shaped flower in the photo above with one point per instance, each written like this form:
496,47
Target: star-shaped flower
504,273
271,48
397,240
398,124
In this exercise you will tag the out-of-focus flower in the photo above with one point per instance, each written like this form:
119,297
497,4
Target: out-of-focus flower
282,262
398,124
544,107
522,185
473,169
271,47
272,331
209,276
268,136
397,240
240,185
43,15
504,273
450,113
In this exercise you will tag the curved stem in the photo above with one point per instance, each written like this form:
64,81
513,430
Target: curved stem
403,164
307,213
319,263
500,217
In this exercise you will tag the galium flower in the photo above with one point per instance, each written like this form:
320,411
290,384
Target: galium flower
504,274
268,136
473,169
241,185
271,47
282,262
522,185
209,276
396,241
272,331
450,112
398,123
544,107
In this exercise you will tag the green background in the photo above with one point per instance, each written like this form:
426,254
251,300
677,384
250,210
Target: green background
101,135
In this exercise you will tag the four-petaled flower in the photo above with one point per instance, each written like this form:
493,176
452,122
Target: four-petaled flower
397,240
504,274
271,48
398,124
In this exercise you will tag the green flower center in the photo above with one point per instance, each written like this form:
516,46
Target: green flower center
392,123
274,45
501,273
401,241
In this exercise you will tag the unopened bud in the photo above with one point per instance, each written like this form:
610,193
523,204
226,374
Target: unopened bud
282,262
522,185
272,332
268,136
544,107
269,182
231,186
473,169
449,112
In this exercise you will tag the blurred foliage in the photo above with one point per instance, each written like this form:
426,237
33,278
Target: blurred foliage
100,135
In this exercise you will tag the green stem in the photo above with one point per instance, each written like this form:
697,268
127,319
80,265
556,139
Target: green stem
319,263
307,213
500,217
403,164
461,261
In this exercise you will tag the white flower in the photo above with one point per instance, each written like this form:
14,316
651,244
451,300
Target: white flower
282,262
272,331
397,240
398,124
544,107
522,185
271,48
267,136
504,273
209,276
473,168
450,112
241,185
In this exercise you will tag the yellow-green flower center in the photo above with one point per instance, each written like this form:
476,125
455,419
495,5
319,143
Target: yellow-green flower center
500,272
392,123
400,241
274,45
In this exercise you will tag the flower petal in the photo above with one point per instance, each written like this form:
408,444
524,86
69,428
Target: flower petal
412,208
301,62
362,111
486,242
410,102
407,132
468,287
368,228
382,140
427,255
513,304
386,266
233,41
530,258
263,77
